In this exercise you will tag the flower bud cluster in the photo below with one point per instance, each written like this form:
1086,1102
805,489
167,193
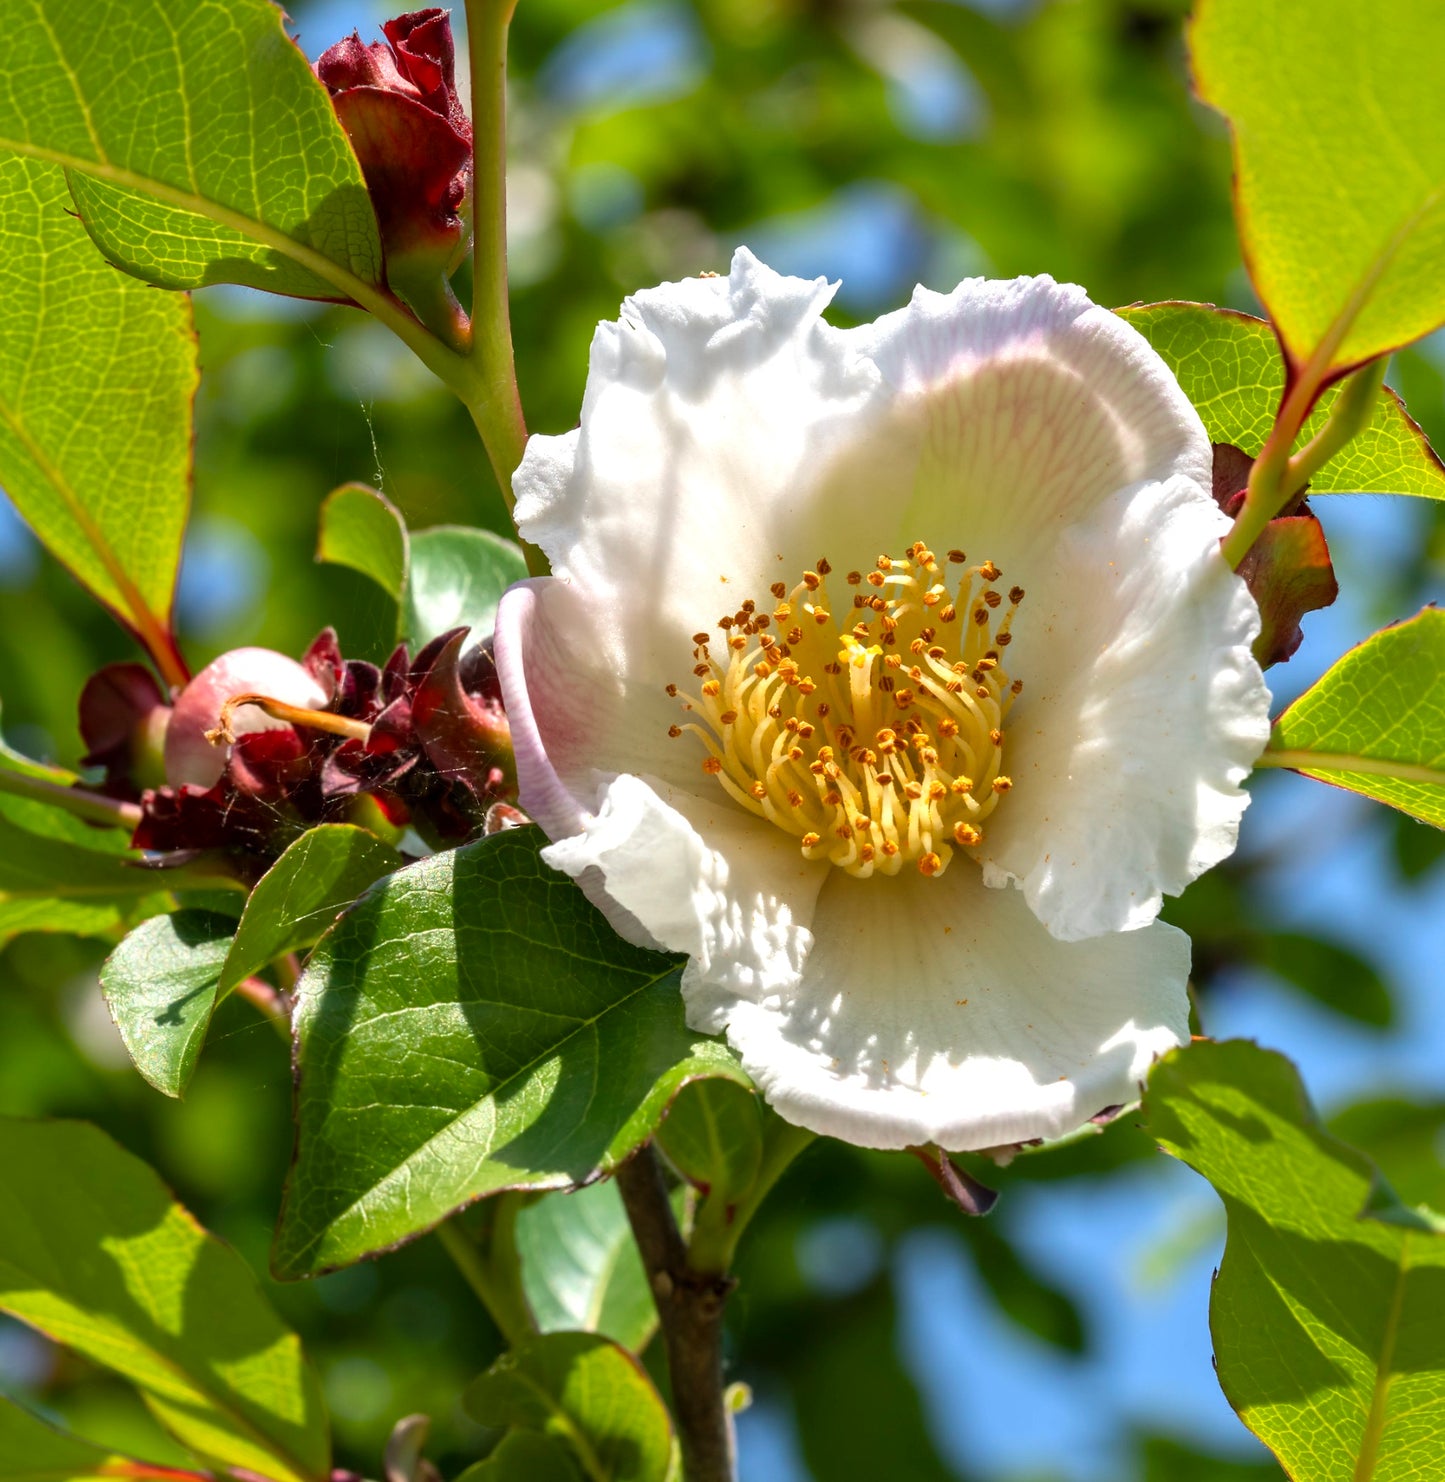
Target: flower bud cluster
258,748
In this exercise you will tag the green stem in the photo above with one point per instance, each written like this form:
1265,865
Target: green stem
1348,417
269,1001
716,1232
496,407
93,807
1269,490
492,1267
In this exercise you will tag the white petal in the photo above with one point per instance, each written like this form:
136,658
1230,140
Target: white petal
1058,444
940,1011
575,722
1019,407
697,875
1143,712
710,407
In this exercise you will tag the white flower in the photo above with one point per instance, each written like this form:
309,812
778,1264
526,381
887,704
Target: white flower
826,817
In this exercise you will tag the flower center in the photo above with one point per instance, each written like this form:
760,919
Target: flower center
877,745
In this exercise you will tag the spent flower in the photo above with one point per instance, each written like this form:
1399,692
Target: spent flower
892,675
259,747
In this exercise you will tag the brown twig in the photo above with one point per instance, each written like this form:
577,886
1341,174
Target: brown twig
690,1307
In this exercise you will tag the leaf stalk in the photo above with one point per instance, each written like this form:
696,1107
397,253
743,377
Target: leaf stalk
492,1267
1278,475
93,807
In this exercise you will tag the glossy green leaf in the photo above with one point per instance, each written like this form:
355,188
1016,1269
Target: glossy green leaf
580,1267
59,873
713,1136
82,346
1327,1332
1375,723
298,898
457,578
471,1025
1338,117
32,1451
1230,367
96,1253
362,528
587,1393
526,1456
221,159
160,986
73,918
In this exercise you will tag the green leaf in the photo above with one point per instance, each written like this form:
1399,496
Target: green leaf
1229,366
471,1025
31,1451
1326,1326
713,1136
73,918
1329,972
59,873
1168,1460
37,866
160,986
1028,1298
580,1267
82,346
96,1253
587,1393
1338,118
363,529
220,160
525,1456
457,578
1404,1140
1375,723
298,898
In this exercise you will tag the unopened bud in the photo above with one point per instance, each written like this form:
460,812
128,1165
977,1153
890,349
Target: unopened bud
397,101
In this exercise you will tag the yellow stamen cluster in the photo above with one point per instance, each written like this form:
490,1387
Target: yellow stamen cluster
878,744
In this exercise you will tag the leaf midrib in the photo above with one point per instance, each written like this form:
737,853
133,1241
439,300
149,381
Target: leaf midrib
1302,759
197,204
273,1446
138,607
359,1204
591,1462
1375,1420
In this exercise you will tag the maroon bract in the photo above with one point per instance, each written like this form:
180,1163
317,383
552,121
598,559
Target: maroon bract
123,719
1288,569
419,742
398,103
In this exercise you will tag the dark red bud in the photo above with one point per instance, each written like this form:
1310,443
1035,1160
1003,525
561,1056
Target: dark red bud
397,101
1288,569
123,719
